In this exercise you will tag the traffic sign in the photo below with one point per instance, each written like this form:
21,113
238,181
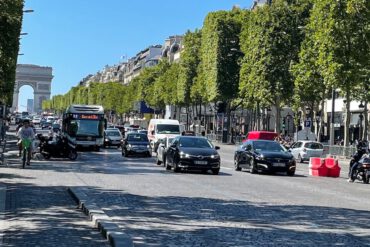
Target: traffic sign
307,123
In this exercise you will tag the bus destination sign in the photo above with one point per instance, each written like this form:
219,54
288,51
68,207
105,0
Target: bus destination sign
87,116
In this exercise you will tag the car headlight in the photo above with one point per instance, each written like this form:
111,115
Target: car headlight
260,157
215,156
129,145
184,155
147,146
107,140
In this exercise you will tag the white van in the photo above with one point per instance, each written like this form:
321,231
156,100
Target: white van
160,129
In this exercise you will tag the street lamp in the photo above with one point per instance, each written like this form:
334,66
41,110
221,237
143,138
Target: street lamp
28,11
288,117
318,118
331,143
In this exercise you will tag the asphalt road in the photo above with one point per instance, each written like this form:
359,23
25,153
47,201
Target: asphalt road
162,208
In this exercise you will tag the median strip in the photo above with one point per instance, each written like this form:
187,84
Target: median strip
103,222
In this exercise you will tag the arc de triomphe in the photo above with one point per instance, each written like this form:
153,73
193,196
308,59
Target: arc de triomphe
39,78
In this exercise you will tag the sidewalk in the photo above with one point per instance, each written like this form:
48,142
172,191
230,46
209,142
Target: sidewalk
32,214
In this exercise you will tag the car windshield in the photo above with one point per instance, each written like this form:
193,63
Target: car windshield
313,145
137,138
195,143
112,133
168,129
268,146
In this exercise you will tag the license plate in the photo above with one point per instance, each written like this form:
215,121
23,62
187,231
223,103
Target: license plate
200,162
279,164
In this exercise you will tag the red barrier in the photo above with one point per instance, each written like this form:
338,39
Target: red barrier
333,167
317,167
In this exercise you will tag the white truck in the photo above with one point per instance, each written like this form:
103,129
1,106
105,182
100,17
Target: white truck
160,129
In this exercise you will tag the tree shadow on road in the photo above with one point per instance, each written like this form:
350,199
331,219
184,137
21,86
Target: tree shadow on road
188,221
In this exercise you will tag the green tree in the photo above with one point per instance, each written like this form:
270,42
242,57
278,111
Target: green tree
11,14
271,41
341,35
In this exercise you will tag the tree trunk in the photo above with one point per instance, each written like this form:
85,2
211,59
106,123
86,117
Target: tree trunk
366,123
348,119
258,114
278,116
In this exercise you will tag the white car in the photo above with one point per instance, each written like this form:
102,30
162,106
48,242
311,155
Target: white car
36,120
304,150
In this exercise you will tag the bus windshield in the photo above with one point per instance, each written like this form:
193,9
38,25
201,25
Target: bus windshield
79,127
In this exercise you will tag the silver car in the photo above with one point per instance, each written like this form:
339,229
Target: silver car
304,150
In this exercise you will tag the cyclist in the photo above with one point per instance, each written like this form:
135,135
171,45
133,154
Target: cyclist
26,132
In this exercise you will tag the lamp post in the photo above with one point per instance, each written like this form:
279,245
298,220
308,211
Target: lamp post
318,118
331,143
288,118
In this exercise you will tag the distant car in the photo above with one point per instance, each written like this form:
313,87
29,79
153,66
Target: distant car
264,156
143,131
192,153
136,143
162,149
112,137
55,127
46,125
304,150
36,120
260,135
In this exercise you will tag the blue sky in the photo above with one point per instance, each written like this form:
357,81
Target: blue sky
80,37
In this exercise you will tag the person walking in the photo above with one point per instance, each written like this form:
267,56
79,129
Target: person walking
26,133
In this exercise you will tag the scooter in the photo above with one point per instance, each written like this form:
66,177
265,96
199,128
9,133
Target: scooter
58,148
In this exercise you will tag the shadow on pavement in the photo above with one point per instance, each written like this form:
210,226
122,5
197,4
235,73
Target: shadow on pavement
186,221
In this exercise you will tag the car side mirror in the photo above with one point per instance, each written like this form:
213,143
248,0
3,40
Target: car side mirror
173,145
152,132
217,147
289,150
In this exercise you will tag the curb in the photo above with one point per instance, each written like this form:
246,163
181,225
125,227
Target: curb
105,224
2,212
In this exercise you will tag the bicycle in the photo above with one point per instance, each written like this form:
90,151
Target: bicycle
26,145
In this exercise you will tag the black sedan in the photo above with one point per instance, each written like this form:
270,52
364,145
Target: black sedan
136,143
192,153
264,156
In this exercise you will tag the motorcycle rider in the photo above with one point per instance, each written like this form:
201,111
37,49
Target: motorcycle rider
362,148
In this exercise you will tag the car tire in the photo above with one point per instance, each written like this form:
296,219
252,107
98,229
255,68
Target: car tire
176,168
253,168
149,154
215,171
300,159
72,155
236,165
168,167
290,173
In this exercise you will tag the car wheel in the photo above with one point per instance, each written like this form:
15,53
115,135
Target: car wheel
168,167
300,159
215,171
149,154
290,173
253,168
236,165
176,168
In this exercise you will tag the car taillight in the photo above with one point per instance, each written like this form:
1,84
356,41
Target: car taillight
366,165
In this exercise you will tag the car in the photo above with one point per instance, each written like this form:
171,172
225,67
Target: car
264,156
36,120
260,135
162,149
46,125
304,150
192,153
143,131
136,143
112,137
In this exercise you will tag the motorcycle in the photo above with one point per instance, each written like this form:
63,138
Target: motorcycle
58,148
362,172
